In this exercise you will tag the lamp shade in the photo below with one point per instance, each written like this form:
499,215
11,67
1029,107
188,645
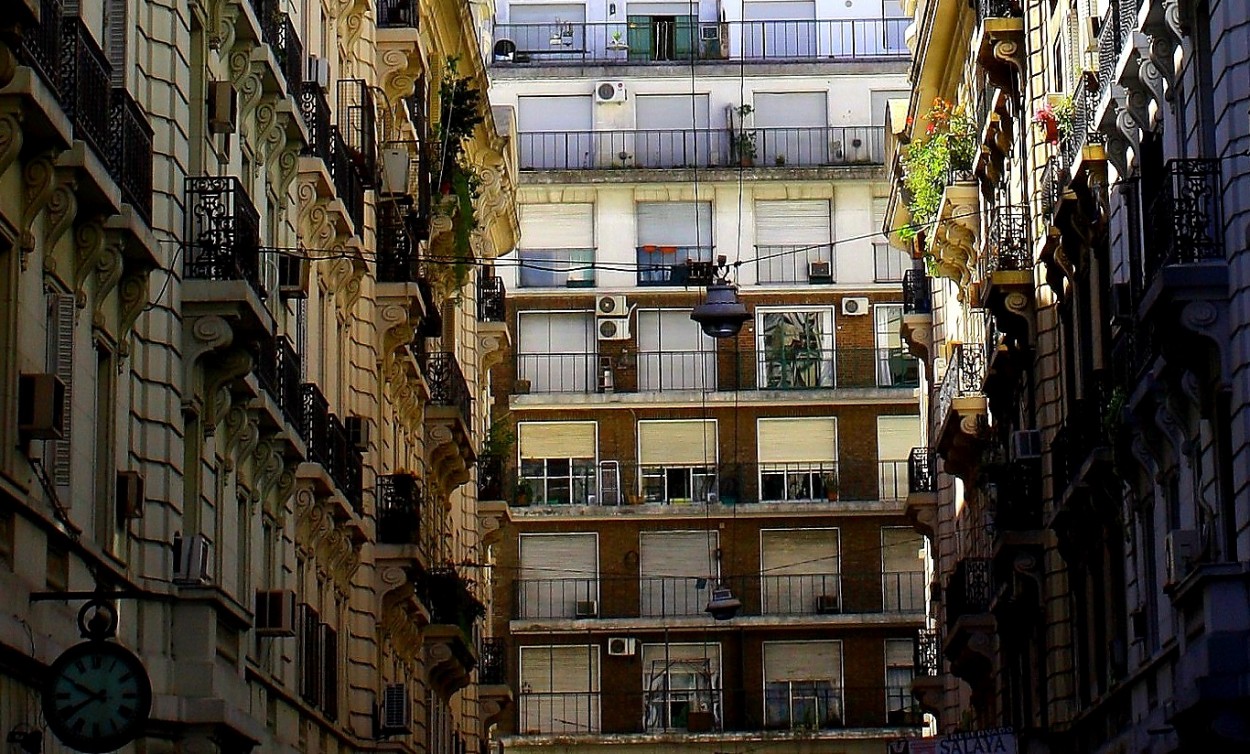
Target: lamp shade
721,314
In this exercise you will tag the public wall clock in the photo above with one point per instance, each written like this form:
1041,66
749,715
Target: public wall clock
97,696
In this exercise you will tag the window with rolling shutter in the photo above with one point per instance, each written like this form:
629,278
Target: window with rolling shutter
678,570
680,680
677,460
798,458
310,685
329,672
800,571
557,247
558,462
803,684
902,569
115,35
555,132
559,689
557,352
669,234
61,310
559,575
788,236
899,671
795,348
673,352
896,436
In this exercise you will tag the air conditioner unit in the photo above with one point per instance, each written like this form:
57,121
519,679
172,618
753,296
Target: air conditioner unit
622,646
1180,548
317,70
586,609
40,407
191,558
223,107
292,276
612,92
709,32
611,306
1026,444
129,495
614,328
395,716
357,428
819,272
855,306
275,612
827,603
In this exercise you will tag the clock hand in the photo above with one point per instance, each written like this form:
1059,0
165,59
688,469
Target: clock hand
85,689
69,712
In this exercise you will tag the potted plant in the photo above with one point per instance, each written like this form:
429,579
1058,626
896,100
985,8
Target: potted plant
942,154
617,42
743,142
830,483
780,160
1056,118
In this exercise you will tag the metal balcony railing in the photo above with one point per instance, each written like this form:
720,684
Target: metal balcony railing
1186,217
287,48
397,14
491,299
1054,179
1111,38
328,444
922,470
492,666
397,251
1018,497
221,239
315,108
1007,243
346,465
85,85
1084,129
400,499
928,656
357,125
668,265
998,9
965,376
492,477
670,41
969,589
41,44
795,263
917,298
345,171
130,159
447,384
277,368
556,268
810,146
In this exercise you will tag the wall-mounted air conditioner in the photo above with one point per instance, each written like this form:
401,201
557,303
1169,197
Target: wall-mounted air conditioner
130,495
611,306
395,714
610,92
586,609
855,306
820,271
827,603
614,328
622,646
191,559
1026,444
40,406
223,107
1180,550
275,612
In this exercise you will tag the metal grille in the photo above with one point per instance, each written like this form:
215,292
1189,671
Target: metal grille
1186,217
446,382
1009,241
922,470
222,231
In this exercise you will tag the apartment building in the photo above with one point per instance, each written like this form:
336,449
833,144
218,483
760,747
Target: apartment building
1072,299
243,373
641,465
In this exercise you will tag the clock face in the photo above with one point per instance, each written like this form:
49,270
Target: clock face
97,697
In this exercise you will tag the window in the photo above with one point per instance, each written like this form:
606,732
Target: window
556,351
789,236
896,436
677,571
557,463
800,571
902,570
798,458
803,684
60,355
779,29
791,128
672,132
555,133
677,460
795,349
889,263
657,35
899,671
559,689
559,576
557,246
669,234
895,366
682,686
673,352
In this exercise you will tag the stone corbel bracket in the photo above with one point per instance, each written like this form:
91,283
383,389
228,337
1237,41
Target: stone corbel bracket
38,184
60,213
957,233
1002,53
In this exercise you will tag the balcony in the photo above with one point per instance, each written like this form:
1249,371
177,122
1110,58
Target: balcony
669,41
400,502
956,233
340,475
397,14
928,686
1000,43
277,368
397,249
357,127
131,156
922,489
280,34
668,149
85,85
494,694
996,120
454,610
221,252
448,419
1184,249
674,265
491,299
916,329
493,336
790,264
557,268
1008,282
960,411
771,595
971,643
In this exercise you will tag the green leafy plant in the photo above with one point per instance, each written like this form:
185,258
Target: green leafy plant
744,141
932,161
1058,118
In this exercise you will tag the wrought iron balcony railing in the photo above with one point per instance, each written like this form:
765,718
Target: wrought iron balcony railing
1007,243
1084,129
222,231
1054,179
491,299
795,263
917,298
357,125
400,499
998,9
922,470
1017,497
928,655
397,14
492,666
447,384
348,184
492,478
965,376
287,48
969,589
315,108
277,368
397,251
130,160
669,265
41,44
1111,38
1186,218
328,444
314,425
86,85
810,146
672,40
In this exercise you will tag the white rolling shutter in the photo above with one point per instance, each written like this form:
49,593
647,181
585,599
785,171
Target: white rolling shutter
546,14
560,689
555,114
803,440
801,10
556,350
791,109
670,111
687,442
673,352
803,661
896,436
902,567
557,226
678,570
557,572
557,439
800,570
674,224
792,223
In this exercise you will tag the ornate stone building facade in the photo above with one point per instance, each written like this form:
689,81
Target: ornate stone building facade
241,364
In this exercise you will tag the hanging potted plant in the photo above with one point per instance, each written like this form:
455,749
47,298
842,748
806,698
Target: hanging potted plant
743,143
617,42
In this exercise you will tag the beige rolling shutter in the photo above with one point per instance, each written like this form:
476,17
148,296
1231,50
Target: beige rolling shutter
806,440
557,572
689,442
61,311
560,689
803,661
557,226
678,570
653,653
792,223
799,571
901,549
896,436
902,566
557,439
